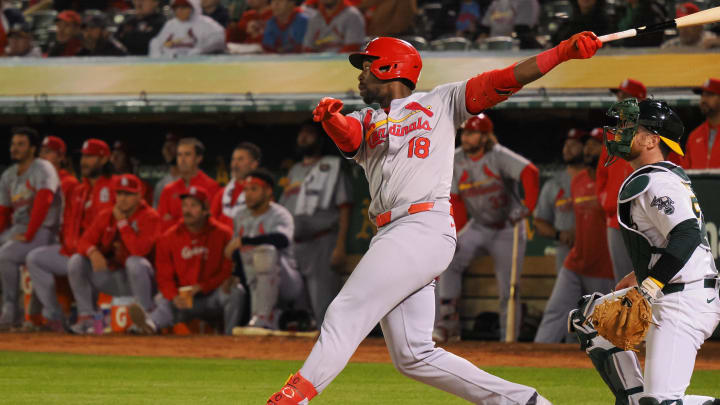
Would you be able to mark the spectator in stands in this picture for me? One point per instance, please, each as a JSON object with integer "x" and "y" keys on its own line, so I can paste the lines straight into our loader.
{"x": 215, "y": 10}
{"x": 285, "y": 31}
{"x": 250, "y": 28}
{"x": 20, "y": 42}
{"x": 189, "y": 33}
{"x": 695, "y": 36}
{"x": 587, "y": 15}
{"x": 112, "y": 253}
{"x": 139, "y": 29}
{"x": 190, "y": 254}
{"x": 587, "y": 268}
{"x": 190, "y": 153}
{"x": 640, "y": 13}
{"x": 503, "y": 17}
{"x": 630, "y": 88}
{"x": 245, "y": 158}
{"x": 388, "y": 17}
{"x": 468, "y": 19}
{"x": 336, "y": 27}
{"x": 169, "y": 154}
{"x": 702, "y": 149}
{"x": 9, "y": 17}
{"x": 97, "y": 40}
{"x": 68, "y": 36}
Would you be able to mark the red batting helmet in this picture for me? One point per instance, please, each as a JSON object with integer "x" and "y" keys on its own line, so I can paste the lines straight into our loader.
{"x": 480, "y": 122}
{"x": 391, "y": 58}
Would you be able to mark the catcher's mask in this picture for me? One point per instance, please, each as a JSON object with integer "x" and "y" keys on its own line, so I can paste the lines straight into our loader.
{"x": 626, "y": 116}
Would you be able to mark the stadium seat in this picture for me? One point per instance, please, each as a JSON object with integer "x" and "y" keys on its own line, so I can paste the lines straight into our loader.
{"x": 451, "y": 44}
{"x": 499, "y": 43}
{"x": 418, "y": 42}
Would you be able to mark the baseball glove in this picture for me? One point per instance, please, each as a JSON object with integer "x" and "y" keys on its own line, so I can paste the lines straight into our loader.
{"x": 623, "y": 321}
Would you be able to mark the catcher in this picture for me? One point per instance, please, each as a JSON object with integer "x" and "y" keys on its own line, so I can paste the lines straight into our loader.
{"x": 674, "y": 272}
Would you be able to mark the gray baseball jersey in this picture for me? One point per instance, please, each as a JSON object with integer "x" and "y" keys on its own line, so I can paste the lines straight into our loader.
{"x": 19, "y": 192}
{"x": 407, "y": 154}
{"x": 322, "y": 219}
{"x": 346, "y": 28}
{"x": 277, "y": 219}
{"x": 555, "y": 206}
{"x": 489, "y": 186}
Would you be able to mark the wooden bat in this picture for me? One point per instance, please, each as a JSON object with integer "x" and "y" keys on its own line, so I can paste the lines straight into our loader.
{"x": 708, "y": 16}
{"x": 510, "y": 324}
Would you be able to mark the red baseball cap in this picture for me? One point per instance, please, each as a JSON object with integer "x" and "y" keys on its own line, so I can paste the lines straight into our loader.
{"x": 576, "y": 133}
{"x": 54, "y": 143}
{"x": 712, "y": 85}
{"x": 196, "y": 192}
{"x": 632, "y": 87}
{"x": 686, "y": 9}
{"x": 70, "y": 16}
{"x": 128, "y": 182}
{"x": 480, "y": 122}
{"x": 95, "y": 147}
{"x": 597, "y": 133}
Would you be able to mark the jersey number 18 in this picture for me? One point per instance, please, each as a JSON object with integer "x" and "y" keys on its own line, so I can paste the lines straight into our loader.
{"x": 419, "y": 146}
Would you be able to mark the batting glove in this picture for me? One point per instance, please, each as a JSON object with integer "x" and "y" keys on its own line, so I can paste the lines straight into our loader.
{"x": 579, "y": 46}
{"x": 326, "y": 108}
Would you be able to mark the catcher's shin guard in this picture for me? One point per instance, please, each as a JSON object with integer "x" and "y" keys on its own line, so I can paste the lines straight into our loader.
{"x": 619, "y": 369}
{"x": 296, "y": 391}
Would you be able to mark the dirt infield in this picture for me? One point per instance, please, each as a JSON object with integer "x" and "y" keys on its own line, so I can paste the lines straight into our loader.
{"x": 277, "y": 348}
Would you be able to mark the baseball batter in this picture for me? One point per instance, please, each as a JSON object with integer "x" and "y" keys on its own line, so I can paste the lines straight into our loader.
{"x": 486, "y": 176}
{"x": 263, "y": 240}
{"x": 664, "y": 232}
{"x": 553, "y": 217}
{"x": 319, "y": 197}
{"x": 30, "y": 203}
{"x": 406, "y": 149}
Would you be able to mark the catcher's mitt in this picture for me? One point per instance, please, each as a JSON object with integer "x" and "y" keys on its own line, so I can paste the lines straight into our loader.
{"x": 623, "y": 321}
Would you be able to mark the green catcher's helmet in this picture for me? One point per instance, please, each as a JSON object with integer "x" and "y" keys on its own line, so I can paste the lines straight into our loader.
{"x": 655, "y": 115}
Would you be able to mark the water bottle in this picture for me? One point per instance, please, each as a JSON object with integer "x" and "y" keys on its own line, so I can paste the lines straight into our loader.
{"x": 98, "y": 323}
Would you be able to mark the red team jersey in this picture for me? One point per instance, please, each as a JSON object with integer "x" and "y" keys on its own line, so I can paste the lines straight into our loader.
{"x": 183, "y": 258}
{"x": 170, "y": 207}
{"x": 607, "y": 183}
{"x": 134, "y": 236}
{"x": 83, "y": 205}
{"x": 698, "y": 154}
{"x": 67, "y": 182}
{"x": 589, "y": 255}
{"x": 219, "y": 208}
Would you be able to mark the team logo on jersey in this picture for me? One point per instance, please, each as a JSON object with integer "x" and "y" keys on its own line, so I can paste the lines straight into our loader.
{"x": 188, "y": 252}
{"x": 664, "y": 204}
{"x": 376, "y": 137}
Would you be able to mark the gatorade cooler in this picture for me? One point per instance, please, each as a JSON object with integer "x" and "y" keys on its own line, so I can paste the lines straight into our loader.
{"x": 120, "y": 319}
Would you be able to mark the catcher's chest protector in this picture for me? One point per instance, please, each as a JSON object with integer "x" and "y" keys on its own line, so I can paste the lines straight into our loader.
{"x": 638, "y": 245}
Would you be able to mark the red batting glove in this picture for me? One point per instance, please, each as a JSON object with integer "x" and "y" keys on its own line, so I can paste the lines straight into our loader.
{"x": 326, "y": 108}
{"x": 579, "y": 46}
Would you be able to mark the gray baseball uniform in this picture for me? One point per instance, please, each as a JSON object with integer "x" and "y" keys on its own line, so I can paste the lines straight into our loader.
{"x": 19, "y": 192}
{"x": 271, "y": 272}
{"x": 489, "y": 188}
{"x": 316, "y": 234}
{"x": 555, "y": 206}
{"x": 346, "y": 28}
{"x": 407, "y": 156}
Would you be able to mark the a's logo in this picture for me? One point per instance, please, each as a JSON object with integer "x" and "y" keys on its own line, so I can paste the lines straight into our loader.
{"x": 664, "y": 204}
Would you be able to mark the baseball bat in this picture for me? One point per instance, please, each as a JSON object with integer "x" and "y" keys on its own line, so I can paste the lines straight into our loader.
{"x": 708, "y": 16}
{"x": 510, "y": 324}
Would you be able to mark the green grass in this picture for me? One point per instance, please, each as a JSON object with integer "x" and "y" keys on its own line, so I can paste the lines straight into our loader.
{"x": 38, "y": 378}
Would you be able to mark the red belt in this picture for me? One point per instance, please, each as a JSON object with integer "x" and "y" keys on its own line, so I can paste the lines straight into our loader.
{"x": 386, "y": 217}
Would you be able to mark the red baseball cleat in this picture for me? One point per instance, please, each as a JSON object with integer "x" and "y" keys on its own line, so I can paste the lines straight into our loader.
{"x": 297, "y": 391}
